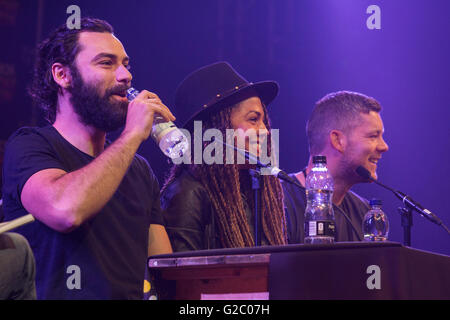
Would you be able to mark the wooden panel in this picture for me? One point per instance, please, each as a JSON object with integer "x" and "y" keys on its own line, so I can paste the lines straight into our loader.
{"x": 191, "y": 282}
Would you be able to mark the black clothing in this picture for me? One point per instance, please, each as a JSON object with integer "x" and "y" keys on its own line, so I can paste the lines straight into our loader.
{"x": 187, "y": 212}
{"x": 105, "y": 258}
{"x": 353, "y": 206}
{"x": 189, "y": 216}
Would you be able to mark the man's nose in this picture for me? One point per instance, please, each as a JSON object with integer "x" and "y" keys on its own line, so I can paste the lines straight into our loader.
{"x": 123, "y": 74}
{"x": 383, "y": 147}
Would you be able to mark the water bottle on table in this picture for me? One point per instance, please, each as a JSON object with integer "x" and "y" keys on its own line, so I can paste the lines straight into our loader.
{"x": 375, "y": 224}
{"x": 319, "y": 214}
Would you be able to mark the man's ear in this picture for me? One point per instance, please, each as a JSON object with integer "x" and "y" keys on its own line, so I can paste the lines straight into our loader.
{"x": 338, "y": 140}
{"x": 61, "y": 75}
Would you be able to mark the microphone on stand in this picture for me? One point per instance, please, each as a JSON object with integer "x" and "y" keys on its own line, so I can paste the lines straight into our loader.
{"x": 274, "y": 171}
{"x": 407, "y": 200}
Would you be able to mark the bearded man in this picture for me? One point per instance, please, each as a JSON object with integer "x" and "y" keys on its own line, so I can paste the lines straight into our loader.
{"x": 96, "y": 203}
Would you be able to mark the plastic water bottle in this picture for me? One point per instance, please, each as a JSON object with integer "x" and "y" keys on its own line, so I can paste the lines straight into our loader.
{"x": 319, "y": 214}
{"x": 375, "y": 223}
{"x": 172, "y": 142}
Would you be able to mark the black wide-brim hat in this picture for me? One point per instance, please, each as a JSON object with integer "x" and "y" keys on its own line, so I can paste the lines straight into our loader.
{"x": 213, "y": 87}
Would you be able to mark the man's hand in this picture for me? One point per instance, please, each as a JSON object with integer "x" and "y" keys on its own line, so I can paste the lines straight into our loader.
{"x": 141, "y": 113}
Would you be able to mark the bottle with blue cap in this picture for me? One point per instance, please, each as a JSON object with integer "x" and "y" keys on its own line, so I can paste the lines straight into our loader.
{"x": 375, "y": 224}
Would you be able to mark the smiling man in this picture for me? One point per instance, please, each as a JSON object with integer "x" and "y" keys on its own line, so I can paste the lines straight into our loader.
{"x": 346, "y": 127}
{"x": 96, "y": 203}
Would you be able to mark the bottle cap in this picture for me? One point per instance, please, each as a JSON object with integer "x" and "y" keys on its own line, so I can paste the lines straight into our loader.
{"x": 319, "y": 159}
{"x": 375, "y": 202}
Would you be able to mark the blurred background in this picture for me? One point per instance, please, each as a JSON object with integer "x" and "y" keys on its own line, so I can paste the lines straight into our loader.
{"x": 309, "y": 47}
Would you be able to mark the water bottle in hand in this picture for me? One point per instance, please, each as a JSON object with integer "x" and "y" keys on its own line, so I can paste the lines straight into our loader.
{"x": 172, "y": 142}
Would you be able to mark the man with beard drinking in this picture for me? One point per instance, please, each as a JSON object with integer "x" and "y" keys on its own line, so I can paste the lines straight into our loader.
{"x": 96, "y": 203}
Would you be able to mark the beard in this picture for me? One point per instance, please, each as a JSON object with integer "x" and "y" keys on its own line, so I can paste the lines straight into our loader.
{"x": 101, "y": 112}
{"x": 348, "y": 171}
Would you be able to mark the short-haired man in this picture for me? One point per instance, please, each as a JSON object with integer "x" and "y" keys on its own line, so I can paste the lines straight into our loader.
{"x": 96, "y": 203}
{"x": 346, "y": 127}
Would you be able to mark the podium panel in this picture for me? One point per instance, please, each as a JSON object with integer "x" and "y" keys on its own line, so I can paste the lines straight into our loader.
{"x": 346, "y": 272}
{"x": 223, "y": 275}
{"x": 356, "y": 270}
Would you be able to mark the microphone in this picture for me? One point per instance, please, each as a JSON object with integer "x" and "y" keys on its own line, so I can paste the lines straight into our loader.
{"x": 407, "y": 200}
{"x": 274, "y": 171}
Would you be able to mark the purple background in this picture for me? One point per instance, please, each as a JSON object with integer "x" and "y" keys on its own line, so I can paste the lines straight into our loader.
{"x": 309, "y": 47}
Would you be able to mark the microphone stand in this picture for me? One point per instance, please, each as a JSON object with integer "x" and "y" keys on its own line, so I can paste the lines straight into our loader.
{"x": 407, "y": 222}
{"x": 407, "y": 216}
{"x": 256, "y": 187}
{"x": 406, "y": 210}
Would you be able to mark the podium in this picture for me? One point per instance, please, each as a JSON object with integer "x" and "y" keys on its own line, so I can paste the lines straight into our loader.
{"x": 346, "y": 270}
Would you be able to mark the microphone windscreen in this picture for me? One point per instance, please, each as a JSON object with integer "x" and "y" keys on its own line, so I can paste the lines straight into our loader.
{"x": 363, "y": 172}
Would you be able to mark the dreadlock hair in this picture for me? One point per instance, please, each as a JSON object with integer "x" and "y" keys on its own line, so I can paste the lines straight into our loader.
{"x": 228, "y": 199}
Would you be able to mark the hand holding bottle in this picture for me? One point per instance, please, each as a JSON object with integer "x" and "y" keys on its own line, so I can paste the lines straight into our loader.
{"x": 172, "y": 142}
{"x": 142, "y": 110}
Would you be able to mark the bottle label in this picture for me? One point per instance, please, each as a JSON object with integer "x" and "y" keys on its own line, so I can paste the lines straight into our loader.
{"x": 160, "y": 129}
{"x": 320, "y": 228}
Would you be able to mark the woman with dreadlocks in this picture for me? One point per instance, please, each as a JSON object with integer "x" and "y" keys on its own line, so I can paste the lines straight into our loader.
{"x": 209, "y": 206}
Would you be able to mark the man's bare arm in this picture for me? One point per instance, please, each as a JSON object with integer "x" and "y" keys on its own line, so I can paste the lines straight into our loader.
{"x": 63, "y": 201}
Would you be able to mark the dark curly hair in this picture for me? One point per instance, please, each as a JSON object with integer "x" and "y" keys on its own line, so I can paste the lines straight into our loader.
{"x": 60, "y": 47}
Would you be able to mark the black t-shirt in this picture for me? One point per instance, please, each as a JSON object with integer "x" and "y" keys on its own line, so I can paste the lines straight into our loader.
{"x": 105, "y": 258}
{"x": 348, "y": 215}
